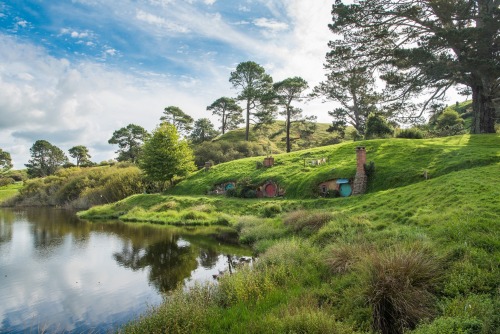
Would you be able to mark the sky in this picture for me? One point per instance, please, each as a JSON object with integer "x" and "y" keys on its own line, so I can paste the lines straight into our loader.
{"x": 74, "y": 71}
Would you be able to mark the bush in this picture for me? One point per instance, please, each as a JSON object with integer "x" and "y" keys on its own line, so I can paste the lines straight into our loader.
{"x": 306, "y": 221}
{"x": 232, "y": 192}
{"x": 398, "y": 285}
{"x": 377, "y": 127}
{"x": 412, "y": 133}
{"x": 5, "y": 181}
{"x": 271, "y": 210}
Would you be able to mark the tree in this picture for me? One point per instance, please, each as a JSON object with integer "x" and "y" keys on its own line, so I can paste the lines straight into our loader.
{"x": 228, "y": 111}
{"x": 175, "y": 116}
{"x": 165, "y": 156}
{"x": 287, "y": 91}
{"x": 377, "y": 127}
{"x": 5, "y": 161}
{"x": 203, "y": 130}
{"x": 46, "y": 159}
{"x": 81, "y": 154}
{"x": 351, "y": 84}
{"x": 254, "y": 84}
{"x": 427, "y": 47}
{"x": 129, "y": 140}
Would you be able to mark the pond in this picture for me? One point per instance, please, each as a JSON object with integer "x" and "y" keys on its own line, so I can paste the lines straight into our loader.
{"x": 62, "y": 274}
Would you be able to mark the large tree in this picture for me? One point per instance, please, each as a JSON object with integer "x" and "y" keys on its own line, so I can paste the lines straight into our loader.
{"x": 352, "y": 85}
{"x": 165, "y": 156}
{"x": 287, "y": 91}
{"x": 427, "y": 47}
{"x": 203, "y": 130}
{"x": 255, "y": 86}
{"x": 81, "y": 154}
{"x": 175, "y": 116}
{"x": 45, "y": 160}
{"x": 228, "y": 111}
{"x": 129, "y": 140}
{"x": 5, "y": 161}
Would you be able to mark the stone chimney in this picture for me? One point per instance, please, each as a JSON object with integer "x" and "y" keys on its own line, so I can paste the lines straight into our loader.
{"x": 360, "y": 180}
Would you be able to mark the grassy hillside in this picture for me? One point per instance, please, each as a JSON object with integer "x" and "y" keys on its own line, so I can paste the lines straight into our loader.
{"x": 398, "y": 162}
{"x": 419, "y": 256}
{"x": 273, "y": 136}
{"x": 9, "y": 191}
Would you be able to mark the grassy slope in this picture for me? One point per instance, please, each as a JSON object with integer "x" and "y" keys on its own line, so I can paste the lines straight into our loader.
{"x": 9, "y": 191}
{"x": 454, "y": 215}
{"x": 398, "y": 162}
{"x": 274, "y": 136}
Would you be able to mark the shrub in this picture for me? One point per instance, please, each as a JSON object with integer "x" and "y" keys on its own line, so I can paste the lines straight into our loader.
{"x": 377, "y": 127}
{"x": 447, "y": 325}
{"x": 5, "y": 181}
{"x": 306, "y": 221}
{"x": 232, "y": 192}
{"x": 271, "y": 210}
{"x": 411, "y": 133}
{"x": 398, "y": 286}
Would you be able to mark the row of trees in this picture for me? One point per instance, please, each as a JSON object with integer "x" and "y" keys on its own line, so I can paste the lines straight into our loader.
{"x": 417, "y": 49}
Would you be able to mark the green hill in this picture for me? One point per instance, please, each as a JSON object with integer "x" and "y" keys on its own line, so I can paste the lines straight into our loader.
{"x": 398, "y": 162}
{"x": 426, "y": 252}
{"x": 273, "y": 136}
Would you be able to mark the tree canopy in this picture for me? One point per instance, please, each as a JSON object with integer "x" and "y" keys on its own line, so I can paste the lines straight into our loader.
{"x": 5, "y": 161}
{"x": 203, "y": 130}
{"x": 45, "y": 160}
{"x": 175, "y": 116}
{"x": 165, "y": 156}
{"x": 228, "y": 111}
{"x": 129, "y": 140}
{"x": 81, "y": 154}
{"x": 426, "y": 47}
{"x": 352, "y": 85}
{"x": 287, "y": 91}
{"x": 255, "y": 87}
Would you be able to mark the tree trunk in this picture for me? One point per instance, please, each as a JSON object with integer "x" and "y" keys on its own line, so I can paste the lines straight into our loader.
{"x": 247, "y": 130}
{"x": 483, "y": 110}
{"x": 288, "y": 148}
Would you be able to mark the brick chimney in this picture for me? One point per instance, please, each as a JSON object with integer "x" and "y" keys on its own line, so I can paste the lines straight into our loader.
{"x": 360, "y": 180}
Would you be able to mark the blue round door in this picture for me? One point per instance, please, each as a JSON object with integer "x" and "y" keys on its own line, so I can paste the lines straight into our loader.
{"x": 345, "y": 190}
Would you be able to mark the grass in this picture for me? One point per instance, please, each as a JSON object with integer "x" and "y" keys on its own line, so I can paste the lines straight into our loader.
{"x": 412, "y": 255}
{"x": 398, "y": 162}
{"x": 9, "y": 191}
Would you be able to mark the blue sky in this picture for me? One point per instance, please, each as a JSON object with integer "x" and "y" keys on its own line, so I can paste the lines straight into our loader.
{"x": 73, "y": 71}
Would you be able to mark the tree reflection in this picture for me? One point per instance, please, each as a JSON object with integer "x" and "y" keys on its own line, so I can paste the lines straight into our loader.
{"x": 208, "y": 257}
{"x": 168, "y": 262}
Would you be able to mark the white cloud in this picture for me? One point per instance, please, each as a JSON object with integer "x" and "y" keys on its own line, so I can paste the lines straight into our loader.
{"x": 42, "y": 97}
{"x": 209, "y": 2}
{"x": 270, "y": 24}
{"x": 160, "y": 22}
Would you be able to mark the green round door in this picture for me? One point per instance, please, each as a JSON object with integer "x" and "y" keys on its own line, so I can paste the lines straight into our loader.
{"x": 345, "y": 190}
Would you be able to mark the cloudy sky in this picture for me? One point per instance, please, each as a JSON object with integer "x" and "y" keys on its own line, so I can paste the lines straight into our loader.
{"x": 73, "y": 71}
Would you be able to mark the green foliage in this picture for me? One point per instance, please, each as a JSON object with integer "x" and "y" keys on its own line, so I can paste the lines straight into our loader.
{"x": 45, "y": 160}
{"x": 411, "y": 133}
{"x": 255, "y": 86}
{"x": 129, "y": 140}
{"x": 224, "y": 151}
{"x": 4, "y": 181}
{"x": 82, "y": 188}
{"x": 178, "y": 118}
{"x": 306, "y": 221}
{"x": 287, "y": 91}
{"x": 165, "y": 156}
{"x": 81, "y": 154}
{"x": 203, "y": 131}
{"x": 228, "y": 111}
{"x": 377, "y": 127}
{"x": 448, "y": 325}
{"x": 440, "y": 47}
{"x": 5, "y": 161}
{"x": 399, "y": 286}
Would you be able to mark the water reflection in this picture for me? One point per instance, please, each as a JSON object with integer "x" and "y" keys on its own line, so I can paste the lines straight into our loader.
{"x": 61, "y": 273}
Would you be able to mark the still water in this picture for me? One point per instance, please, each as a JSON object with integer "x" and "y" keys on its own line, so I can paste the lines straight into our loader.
{"x": 62, "y": 274}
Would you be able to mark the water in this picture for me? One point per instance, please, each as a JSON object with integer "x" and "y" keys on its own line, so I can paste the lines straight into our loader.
{"x": 61, "y": 274}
